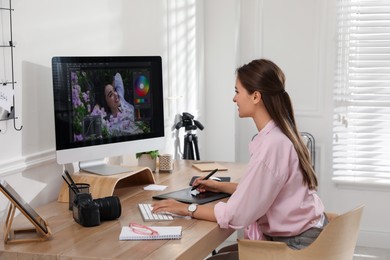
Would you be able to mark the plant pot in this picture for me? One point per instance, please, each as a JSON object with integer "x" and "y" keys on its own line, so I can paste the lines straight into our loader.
{"x": 147, "y": 161}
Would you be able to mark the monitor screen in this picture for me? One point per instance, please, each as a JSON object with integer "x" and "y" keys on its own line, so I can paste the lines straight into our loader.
{"x": 107, "y": 106}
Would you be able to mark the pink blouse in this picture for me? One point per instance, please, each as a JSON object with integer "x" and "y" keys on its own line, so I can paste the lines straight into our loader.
{"x": 271, "y": 198}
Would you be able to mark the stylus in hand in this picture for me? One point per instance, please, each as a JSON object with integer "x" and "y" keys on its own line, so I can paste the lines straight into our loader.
{"x": 205, "y": 178}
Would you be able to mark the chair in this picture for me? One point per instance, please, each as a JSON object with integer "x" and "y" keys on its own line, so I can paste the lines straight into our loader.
{"x": 309, "y": 140}
{"x": 336, "y": 242}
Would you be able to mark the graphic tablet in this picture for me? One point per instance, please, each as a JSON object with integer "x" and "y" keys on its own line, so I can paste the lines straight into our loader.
{"x": 185, "y": 196}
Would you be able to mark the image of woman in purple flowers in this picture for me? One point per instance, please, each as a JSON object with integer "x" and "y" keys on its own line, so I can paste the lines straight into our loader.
{"x": 100, "y": 109}
{"x": 120, "y": 113}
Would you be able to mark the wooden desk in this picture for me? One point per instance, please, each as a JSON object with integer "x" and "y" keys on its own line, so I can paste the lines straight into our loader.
{"x": 72, "y": 241}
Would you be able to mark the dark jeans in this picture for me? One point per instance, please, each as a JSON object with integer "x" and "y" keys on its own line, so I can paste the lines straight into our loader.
{"x": 302, "y": 240}
{"x": 295, "y": 242}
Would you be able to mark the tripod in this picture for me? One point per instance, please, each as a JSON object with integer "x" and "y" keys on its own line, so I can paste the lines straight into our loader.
{"x": 190, "y": 140}
{"x": 191, "y": 143}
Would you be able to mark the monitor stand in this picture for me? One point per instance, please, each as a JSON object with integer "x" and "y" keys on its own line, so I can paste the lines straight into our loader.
{"x": 117, "y": 184}
{"x": 101, "y": 167}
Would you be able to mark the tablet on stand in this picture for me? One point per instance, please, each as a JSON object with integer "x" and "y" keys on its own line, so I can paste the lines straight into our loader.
{"x": 40, "y": 230}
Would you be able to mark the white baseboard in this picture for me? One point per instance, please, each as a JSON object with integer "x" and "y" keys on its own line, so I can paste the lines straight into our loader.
{"x": 23, "y": 163}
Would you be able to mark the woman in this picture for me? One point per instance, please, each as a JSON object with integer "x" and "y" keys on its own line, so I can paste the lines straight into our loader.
{"x": 120, "y": 113}
{"x": 276, "y": 198}
{"x": 115, "y": 102}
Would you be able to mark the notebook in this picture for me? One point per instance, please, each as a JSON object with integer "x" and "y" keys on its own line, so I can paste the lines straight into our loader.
{"x": 185, "y": 196}
{"x": 164, "y": 232}
{"x": 206, "y": 167}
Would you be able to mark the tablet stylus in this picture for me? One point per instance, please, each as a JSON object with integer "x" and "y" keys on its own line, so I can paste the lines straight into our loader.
{"x": 205, "y": 178}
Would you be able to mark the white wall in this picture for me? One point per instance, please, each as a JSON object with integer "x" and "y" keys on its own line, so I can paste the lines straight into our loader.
{"x": 221, "y": 54}
{"x": 43, "y": 29}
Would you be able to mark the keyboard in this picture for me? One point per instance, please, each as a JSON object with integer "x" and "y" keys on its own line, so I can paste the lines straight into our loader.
{"x": 146, "y": 212}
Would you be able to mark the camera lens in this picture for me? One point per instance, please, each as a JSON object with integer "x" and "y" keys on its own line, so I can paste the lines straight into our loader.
{"x": 109, "y": 207}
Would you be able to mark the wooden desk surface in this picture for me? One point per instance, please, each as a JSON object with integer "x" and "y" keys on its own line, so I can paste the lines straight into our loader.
{"x": 72, "y": 241}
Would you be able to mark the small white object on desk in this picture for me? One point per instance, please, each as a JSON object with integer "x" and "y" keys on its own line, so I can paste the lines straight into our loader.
{"x": 155, "y": 187}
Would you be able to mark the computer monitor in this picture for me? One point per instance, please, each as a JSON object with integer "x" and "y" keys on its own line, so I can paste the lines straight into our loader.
{"x": 105, "y": 107}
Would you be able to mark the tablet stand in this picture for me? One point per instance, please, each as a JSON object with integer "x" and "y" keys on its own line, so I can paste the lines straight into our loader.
{"x": 22, "y": 234}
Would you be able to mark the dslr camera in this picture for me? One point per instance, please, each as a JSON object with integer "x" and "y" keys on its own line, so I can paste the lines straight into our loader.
{"x": 90, "y": 212}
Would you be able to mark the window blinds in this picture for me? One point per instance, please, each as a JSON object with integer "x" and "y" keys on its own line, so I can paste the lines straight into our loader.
{"x": 361, "y": 123}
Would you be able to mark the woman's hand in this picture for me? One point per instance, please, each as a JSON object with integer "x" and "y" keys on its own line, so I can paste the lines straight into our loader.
{"x": 215, "y": 186}
{"x": 207, "y": 185}
{"x": 178, "y": 208}
{"x": 171, "y": 206}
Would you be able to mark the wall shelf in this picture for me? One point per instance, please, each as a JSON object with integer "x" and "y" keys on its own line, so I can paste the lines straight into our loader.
{"x": 8, "y": 63}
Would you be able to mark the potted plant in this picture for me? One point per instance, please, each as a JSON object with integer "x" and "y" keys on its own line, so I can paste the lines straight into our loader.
{"x": 147, "y": 159}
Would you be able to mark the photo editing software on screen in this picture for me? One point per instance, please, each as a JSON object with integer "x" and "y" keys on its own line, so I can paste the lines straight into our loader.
{"x": 105, "y": 100}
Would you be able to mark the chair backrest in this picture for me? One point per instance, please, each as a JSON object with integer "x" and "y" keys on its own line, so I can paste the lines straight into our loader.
{"x": 338, "y": 239}
{"x": 309, "y": 140}
{"x": 336, "y": 242}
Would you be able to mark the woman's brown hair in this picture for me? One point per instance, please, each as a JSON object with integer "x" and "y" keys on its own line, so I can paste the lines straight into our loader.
{"x": 266, "y": 77}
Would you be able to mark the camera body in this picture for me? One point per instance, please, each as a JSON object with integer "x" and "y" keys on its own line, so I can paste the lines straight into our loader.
{"x": 85, "y": 210}
{"x": 89, "y": 212}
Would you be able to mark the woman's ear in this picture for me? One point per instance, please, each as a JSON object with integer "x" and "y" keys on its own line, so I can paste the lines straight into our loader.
{"x": 256, "y": 97}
